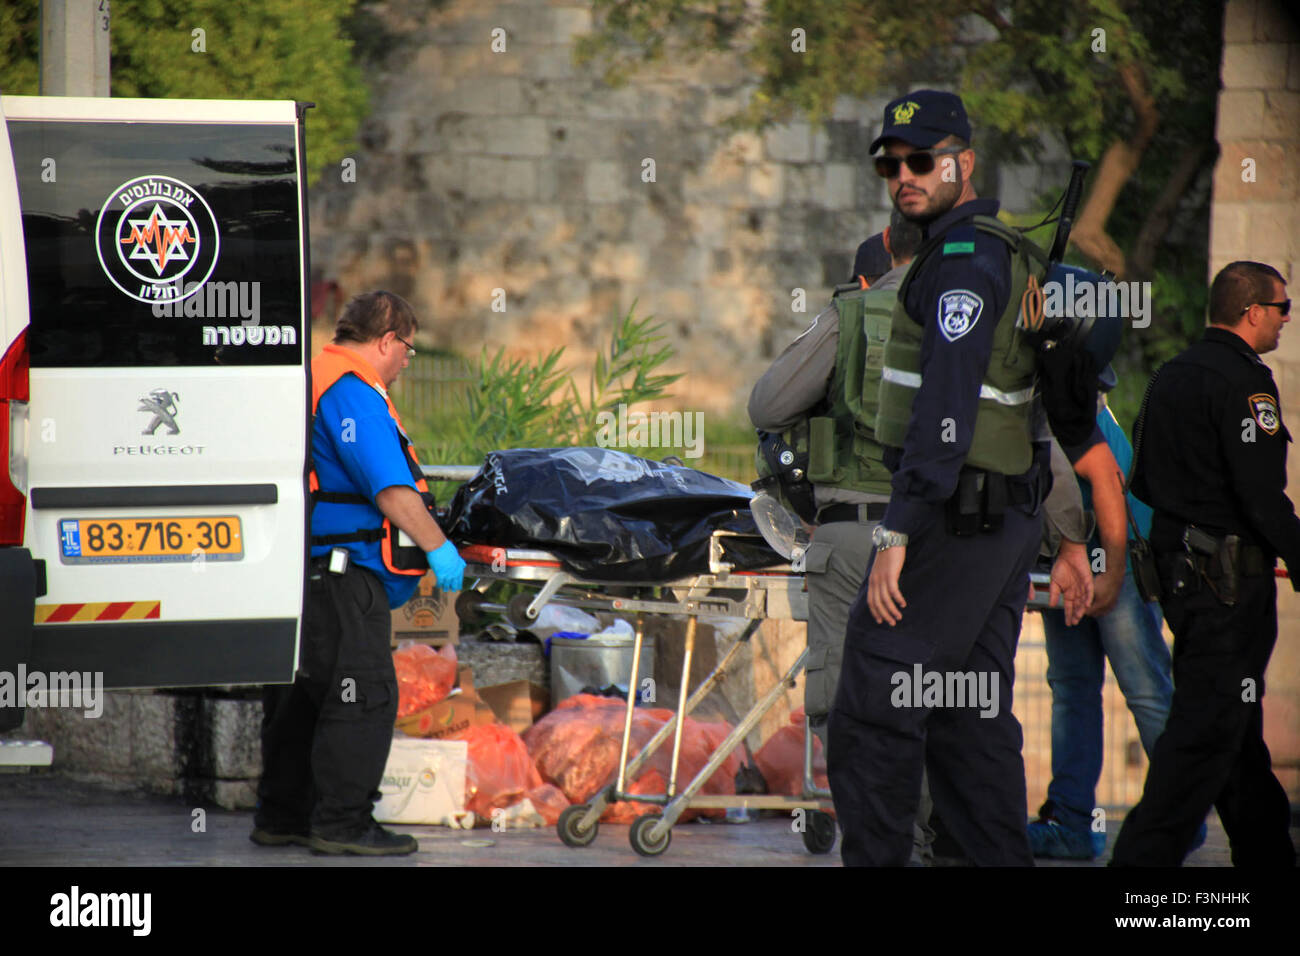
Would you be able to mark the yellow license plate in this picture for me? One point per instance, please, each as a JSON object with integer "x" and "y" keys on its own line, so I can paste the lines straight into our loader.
{"x": 147, "y": 540}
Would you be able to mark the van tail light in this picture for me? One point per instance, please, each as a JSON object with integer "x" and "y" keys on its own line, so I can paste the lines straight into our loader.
{"x": 14, "y": 395}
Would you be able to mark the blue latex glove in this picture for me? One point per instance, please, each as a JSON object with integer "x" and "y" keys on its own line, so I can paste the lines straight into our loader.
{"x": 448, "y": 566}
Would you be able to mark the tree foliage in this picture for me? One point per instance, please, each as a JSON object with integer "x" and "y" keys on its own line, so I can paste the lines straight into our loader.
{"x": 1126, "y": 85}
{"x": 273, "y": 49}
{"x": 1129, "y": 86}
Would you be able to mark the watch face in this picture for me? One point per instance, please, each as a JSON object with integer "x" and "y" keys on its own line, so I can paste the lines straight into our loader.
{"x": 878, "y": 534}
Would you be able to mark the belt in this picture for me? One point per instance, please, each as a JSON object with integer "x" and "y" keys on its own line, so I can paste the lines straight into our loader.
{"x": 1254, "y": 560}
{"x": 322, "y": 564}
{"x": 863, "y": 513}
{"x": 1020, "y": 490}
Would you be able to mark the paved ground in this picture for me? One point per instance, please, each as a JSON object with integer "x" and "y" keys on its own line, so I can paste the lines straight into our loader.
{"x": 49, "y": 820}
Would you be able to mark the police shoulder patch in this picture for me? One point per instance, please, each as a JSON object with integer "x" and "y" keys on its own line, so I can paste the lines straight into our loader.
{"x": 1263, "y": 408}
{"x": 959, "y": 241}
{"x": 959, "y": 310}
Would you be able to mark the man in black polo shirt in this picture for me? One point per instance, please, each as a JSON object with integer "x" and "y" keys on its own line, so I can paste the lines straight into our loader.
{"x": 1210, "y": 458}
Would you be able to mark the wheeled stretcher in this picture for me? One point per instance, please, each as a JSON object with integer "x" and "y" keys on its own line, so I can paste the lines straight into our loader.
{"x": 756, "y": 595}
{"x": 721, "y": 592}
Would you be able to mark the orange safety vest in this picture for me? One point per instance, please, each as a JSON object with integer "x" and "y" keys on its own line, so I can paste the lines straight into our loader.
{"x": 326, "y": 369}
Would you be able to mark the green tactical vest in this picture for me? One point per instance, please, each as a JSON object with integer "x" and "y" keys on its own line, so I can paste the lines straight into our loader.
{"x": 1002, "y": 430}
{"x": 842, "y": 447}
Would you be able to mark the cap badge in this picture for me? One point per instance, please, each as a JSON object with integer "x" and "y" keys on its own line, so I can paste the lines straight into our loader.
{"x": 904, "y": 112}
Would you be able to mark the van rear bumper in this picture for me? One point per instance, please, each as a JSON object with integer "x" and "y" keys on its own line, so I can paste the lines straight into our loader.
{"x": 134, "y": 654}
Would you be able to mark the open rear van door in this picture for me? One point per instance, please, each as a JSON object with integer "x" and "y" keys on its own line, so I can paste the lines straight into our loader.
{"x": 159, "y": 457}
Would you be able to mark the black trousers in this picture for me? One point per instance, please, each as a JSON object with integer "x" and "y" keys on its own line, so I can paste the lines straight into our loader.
{"x": 325, "y": 737}
{"x": 1212, "y": 750}
{"x": 965, "y": 598}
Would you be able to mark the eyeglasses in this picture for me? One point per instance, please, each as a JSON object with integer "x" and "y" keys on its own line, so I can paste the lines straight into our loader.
{"x": 1284, "y": 305}
{"x": 410, "y": 349}
{"x": 919, "y": 162}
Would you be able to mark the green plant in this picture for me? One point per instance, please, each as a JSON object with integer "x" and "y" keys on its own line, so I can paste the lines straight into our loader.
{"x": 536, "y": 403}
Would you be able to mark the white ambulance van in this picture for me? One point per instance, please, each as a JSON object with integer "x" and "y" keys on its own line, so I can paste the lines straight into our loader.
{"x": 154, "y": 392}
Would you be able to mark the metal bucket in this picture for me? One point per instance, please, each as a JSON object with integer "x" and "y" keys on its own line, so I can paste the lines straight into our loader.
{"x": 597, "y": 661}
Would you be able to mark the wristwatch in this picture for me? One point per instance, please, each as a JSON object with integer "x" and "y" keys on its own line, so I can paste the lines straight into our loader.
{"x": 883, "y": 538}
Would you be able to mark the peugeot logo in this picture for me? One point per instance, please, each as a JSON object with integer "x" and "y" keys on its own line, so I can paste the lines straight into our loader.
{"x": 162, "y": 405}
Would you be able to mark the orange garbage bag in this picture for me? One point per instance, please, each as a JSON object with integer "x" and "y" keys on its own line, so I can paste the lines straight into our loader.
{"x": 424, "y": 676}
{"x": 550, "y": 801}
{"x": 576, "y": 747}
{"x": 500, "y": 771}
{"x": 780, "y": 760}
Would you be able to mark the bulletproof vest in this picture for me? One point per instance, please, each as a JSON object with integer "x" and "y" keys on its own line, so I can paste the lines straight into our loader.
{"x": 1002, "y": 425}
{"x": 842, "y": 447}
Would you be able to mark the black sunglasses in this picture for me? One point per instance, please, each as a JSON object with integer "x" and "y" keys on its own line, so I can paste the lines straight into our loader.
{"x": 919, "y": 162}
{"x": 1284, "y": 305}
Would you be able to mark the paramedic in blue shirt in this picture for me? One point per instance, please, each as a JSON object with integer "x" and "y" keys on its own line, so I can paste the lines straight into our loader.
{"x": 326, "y": 737}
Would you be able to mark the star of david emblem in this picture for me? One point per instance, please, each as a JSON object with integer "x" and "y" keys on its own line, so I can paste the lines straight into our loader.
{"x": 158, "y": 239}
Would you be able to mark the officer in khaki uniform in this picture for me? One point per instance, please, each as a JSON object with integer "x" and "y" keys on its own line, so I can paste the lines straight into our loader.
{"x": 836, "y": 377}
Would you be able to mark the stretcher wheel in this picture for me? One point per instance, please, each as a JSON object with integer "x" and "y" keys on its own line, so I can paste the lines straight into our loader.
{"x": 819, "y": 834}
{"x": 468, "y": 607}
{"x": 639, "y": 835}
{"x": 570, "y": 829}
{"x": 517, "y": 610}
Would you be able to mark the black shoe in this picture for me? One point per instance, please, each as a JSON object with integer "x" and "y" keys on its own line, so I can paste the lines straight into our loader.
{"x": 263, "y": 836}
{"x": 373, "y": 842}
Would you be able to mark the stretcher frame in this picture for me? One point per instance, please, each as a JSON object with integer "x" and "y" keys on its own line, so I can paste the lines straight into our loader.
{"x": 720, "y": 592}
{"x": 579, "y": 825}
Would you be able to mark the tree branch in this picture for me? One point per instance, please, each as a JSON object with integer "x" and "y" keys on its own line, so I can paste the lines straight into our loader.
{"x": 1117, "y": 166}
{"x": 1156, "y": 223}
{"x": 990, "y": 13}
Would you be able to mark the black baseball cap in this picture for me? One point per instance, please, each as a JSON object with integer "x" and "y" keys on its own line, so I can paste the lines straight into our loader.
{"x": 923, "y": 117}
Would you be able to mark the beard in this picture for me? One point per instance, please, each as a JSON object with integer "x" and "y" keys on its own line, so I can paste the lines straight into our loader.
{"x": 938, "y": 202}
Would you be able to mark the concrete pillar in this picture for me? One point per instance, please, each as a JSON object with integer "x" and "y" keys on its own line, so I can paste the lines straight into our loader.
{"x": 74, "y": 47}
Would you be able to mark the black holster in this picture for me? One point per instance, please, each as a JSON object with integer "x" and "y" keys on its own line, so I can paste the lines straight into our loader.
{"x": 1213, "y": 562}
{"x": 979, "y": 503}
{"x": 1146, "y": 573}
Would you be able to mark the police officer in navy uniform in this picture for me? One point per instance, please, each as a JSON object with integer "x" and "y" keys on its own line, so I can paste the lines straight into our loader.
{"x": 1211, "y": 460}
{"x": 949, "y": 577}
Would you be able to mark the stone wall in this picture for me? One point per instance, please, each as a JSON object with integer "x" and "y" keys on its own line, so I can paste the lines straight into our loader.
{"x": 515, "y": 170}
{"x": 204, "y": 746}
{"x": 1255, "y": 216}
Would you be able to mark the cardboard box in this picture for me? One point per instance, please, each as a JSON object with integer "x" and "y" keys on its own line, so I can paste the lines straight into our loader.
{"x": 424, "y": 782}
{"x": 518, "y": 703}
{"x": 429, "y": 617}
{"x": 450, "y": 715}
